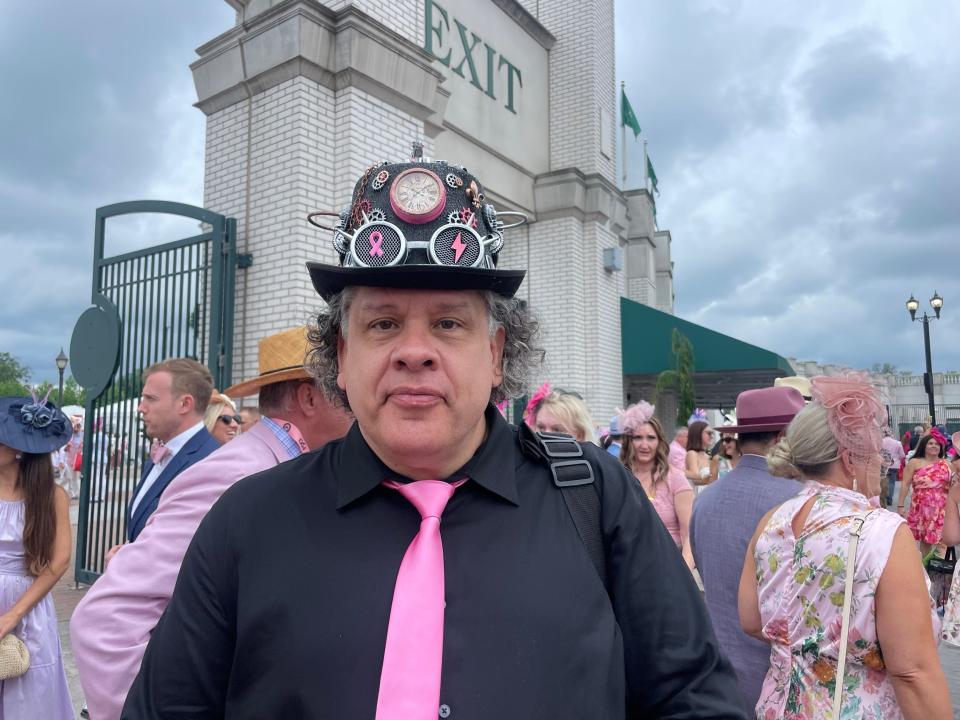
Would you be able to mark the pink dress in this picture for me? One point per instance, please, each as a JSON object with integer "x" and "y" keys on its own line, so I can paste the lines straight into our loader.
{"x": 930, "y": 486}
{"x": 800, "y": 589}
{"x": 664, "y": 492}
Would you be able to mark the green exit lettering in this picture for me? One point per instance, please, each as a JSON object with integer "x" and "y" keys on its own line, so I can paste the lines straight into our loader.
{"x": 474, "y": 59}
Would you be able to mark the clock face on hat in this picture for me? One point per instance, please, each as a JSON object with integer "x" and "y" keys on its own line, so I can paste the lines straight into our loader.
{"x": 417, "y": 196}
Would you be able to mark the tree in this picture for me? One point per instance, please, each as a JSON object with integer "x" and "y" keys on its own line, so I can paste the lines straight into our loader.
{"x": 884, "y": 369}
{"x": 14, "y": 377}
{"x": 680, "y": 378}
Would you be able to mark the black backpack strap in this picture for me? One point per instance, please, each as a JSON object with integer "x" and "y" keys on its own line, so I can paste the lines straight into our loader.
{"x": 574, "y": 475}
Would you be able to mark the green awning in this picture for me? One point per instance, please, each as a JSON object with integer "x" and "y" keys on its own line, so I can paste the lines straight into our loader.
{"x": 645, "y": 335}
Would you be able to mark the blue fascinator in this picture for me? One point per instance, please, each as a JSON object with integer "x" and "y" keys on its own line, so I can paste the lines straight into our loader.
{"x": 32, "y": 425}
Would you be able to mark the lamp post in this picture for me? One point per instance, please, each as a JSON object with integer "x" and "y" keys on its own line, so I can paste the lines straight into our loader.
{"x": 62, "y": 362}
{"x": 936, "y": 302}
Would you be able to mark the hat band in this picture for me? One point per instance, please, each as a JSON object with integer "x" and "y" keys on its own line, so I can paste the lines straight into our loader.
{"x": 765, "y": 420}
{"x": 268, "y": 373}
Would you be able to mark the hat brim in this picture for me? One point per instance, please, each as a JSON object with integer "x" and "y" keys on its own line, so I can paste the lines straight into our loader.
{"x": 768, "y": 427}
{"x": 328, "y": 280}
{"x": 252, "y": 386}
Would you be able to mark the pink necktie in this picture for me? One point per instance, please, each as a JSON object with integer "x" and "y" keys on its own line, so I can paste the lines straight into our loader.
{"x": 158, "y": 452}
{"x": 410, "y": 679}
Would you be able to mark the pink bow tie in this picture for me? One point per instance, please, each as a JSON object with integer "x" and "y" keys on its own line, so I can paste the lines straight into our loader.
{"x": 410, "y": 677}
{"x": 158, "y": 452}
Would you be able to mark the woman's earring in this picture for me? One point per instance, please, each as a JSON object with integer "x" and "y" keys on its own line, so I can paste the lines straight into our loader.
{"x": 18, "y": 456}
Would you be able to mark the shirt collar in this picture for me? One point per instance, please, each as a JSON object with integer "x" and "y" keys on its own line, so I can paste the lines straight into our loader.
{"x": 177, "y": 442}
{"x": 492, "y": 465}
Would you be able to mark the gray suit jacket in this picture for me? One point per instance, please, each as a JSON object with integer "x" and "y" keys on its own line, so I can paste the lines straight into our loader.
{"x": 725, "y": 516}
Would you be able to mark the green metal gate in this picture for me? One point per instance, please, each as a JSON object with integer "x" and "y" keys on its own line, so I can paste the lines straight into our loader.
{"x": 169, "y": 300}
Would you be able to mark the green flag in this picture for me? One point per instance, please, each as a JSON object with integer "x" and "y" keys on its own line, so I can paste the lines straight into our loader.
{"x": 627, "y": 118}
{"x": 652, "y": 175}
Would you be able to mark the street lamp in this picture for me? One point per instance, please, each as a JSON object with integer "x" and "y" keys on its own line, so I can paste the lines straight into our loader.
{"x": 62, "y": 362}
{"x": 936, "y": 302}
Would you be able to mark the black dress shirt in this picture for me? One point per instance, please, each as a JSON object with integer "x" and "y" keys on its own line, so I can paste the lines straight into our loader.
{"x": 282, "y": 603}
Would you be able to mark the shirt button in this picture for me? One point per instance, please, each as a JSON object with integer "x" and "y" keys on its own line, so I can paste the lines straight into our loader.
{"x": 444, "y": 711}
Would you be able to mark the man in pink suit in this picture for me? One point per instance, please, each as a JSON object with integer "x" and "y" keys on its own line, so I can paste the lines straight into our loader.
{"x": 111, "y": 626}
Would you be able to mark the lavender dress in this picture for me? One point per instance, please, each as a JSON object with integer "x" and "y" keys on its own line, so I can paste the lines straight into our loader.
{"x": 42, "y": 692}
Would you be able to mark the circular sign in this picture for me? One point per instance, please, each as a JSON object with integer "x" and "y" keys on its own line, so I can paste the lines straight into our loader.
{"x": 95, "y": 346}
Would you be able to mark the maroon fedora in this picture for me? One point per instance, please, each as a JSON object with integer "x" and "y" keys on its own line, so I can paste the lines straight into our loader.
{"x": 766, "y": 409}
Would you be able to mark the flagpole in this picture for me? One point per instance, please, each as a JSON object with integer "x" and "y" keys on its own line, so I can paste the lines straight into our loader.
{"x": 623, "y": 134}
{"x": 646, "y": 176}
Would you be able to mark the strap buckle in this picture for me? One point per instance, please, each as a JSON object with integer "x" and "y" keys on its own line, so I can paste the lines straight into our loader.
{"x": 559, "y": 445}
{"x": 573, "y": 472}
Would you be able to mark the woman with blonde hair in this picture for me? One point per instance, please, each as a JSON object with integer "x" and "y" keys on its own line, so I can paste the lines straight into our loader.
{"x": 221, "y": 419}
{"x": 794, "y": 591}
{"x": 560, "y": 411}
{"x": 645, "y": 452}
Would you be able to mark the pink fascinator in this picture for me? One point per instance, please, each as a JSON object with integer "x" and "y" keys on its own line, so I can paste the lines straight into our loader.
{"x": 939, "y": 437}
{"x": 630, "y": 420}
{"x": 530, "y": 412}
{"x": 854, "y": 411}
{"x": 699, "y": 415}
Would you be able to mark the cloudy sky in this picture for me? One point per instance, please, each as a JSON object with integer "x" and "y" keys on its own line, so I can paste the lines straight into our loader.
{"x": 808, "y": 163}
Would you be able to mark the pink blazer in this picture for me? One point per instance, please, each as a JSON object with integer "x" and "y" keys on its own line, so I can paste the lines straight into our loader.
{"x": 111, "y": 626}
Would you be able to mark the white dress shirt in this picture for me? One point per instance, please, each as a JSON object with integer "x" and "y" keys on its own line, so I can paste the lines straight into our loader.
{"x": 174, "y": 446}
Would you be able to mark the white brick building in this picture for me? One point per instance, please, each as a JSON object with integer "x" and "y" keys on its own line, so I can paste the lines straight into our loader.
{"x": 301, "y": 96}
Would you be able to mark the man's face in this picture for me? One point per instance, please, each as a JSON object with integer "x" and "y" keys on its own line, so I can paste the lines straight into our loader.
{"x": 161, "y": 409}
{"x": 248, "y": 416}
{"x": 418, "y": 367}
{"x": 681, "y": 438}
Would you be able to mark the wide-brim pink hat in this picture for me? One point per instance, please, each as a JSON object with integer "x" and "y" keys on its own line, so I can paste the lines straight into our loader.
{"x": 766, "y": 409}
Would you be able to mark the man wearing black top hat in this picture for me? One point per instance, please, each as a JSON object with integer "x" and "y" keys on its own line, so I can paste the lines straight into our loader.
{"x": 325, "y": 588}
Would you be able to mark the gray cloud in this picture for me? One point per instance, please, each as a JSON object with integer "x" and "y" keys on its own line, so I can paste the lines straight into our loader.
{"x": 98, "y": 111}
{"x": 808, "y": 165}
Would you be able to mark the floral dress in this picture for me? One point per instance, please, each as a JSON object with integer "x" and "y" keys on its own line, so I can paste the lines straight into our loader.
{"x": 800, "y": 589}
{"x": 930, "y": 486}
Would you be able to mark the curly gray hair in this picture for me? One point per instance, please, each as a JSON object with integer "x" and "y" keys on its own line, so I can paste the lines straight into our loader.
{"x": 522, "y": 353}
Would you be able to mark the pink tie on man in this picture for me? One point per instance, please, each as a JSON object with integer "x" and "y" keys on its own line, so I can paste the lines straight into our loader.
{"x": 412, "y": 659}
{"x": 158, "y": 452}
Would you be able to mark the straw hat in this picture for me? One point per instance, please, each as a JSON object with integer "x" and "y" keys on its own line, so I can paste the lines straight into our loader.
{"x": 282, "y": 358}
{"x": 798, "y": 383}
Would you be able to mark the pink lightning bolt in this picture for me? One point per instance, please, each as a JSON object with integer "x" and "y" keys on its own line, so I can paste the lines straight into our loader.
{"x": 458, "y": 247}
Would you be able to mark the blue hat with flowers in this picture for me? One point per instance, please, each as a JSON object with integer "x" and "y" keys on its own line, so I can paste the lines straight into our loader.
{"x": 33, "y": 426}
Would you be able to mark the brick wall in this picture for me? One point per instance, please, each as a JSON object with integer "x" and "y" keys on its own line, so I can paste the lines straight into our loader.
{"x": 402, "y": 16}
{"x": 307, "y": 148}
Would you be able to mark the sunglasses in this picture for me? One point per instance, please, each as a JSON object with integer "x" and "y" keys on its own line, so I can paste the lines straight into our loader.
{"x": 227, "y": 419}
{"x": 729, "y": 439}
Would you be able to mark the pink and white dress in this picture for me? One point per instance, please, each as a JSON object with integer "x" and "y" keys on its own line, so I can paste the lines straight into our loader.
{"x": 800, "y": 589}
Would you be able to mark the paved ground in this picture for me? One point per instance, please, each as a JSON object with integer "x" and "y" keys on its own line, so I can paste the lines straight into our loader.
{"x": 66, "y": 597}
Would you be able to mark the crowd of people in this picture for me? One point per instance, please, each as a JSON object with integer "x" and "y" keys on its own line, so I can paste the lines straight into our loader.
{"x": 371, "y": 538}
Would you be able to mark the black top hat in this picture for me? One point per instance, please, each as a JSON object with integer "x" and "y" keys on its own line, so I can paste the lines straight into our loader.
{"x": 32, "y": 426}
{"x": 417, "y": 225}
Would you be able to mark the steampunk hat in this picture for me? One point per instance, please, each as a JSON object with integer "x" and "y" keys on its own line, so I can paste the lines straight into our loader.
{"x": 281, "y": 358}
{"x": 419, "y": 224}
{"x": 31, "y": 425}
